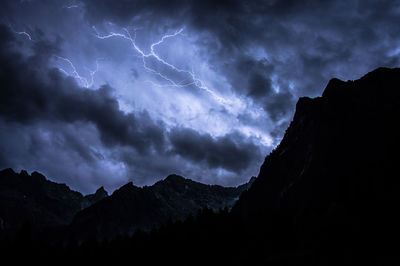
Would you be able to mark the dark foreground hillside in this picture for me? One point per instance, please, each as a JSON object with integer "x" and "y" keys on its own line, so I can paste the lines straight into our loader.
{"x": 327, "y": 195}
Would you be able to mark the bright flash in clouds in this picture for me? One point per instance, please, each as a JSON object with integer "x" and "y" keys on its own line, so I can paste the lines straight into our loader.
{"x": 175, "y": 93}
{"x": 172, "y": 88}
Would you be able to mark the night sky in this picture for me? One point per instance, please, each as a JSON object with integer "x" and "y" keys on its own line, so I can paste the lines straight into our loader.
{"x": 100, "y": 93}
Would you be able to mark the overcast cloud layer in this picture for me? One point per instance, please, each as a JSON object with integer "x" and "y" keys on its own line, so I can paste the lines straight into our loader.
{"x": 103, "y": 92}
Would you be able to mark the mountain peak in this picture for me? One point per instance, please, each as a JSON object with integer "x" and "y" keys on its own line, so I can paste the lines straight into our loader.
{"x": 130, "y": 208}
{"x": 7, "y": 171}
{"x": 23, "y": 173}
{"x": 101, "y": 191}
{"x": 329, "y": 145}
{"x": 174, "y": 178}
{"x": 127, "y": 188}
{"x": 381, "y": 82}
{"x": 91, "y": 199}
{"x": 50, "y": 203}
{"x": 335, "y": 87}
{"x": 38, "y": 176}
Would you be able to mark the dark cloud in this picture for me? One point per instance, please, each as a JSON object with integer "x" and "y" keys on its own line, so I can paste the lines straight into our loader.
{"x": 74, "y": 134}
{"x": 230, "y": 152}
{"x": 29, "y": 95}
{"x": 264, "y": 53}
{"x": 67, "y": 153}
{"x": 303, "y": 43}
{"x": 253, "y": 78}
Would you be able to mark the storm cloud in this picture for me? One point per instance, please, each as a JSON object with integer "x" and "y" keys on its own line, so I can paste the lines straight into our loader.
{"x": 42, "y": 112}
{"x": 291, "y": 47}
{"x": 102, "y": 92}
{"x": 229, "y": 151}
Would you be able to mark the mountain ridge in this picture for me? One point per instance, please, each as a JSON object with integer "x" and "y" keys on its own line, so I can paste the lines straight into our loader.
{"x": 40, "y": 201}
{"x": 45, "y": 204}
{"x": 132, "y": 208}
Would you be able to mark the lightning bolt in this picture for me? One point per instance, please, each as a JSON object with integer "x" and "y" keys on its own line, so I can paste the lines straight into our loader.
{"x": 24, "y": 33}
{"x": 192, "y": 78}
{"x": 70, "y": 6}
{"x": 87, "y": 83}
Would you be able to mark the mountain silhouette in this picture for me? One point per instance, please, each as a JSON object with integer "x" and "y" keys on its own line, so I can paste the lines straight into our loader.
{"x": 131, "y": 208}
{"x": 38, "y": 201}
{"x": 44, "y": 205}
{"x": 332, "y": 185}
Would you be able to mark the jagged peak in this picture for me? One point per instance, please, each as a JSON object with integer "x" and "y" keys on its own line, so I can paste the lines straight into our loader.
{"x": 101, "y": 191}
{"x": 7, "y": 171}
{"x": 303, "y": 101}
{"x": 381, "y": 71}
{"x": 304, "y": 106}
{"x": 23, "y": 173}
{"x": 334, "y": 88}
{"x": 38, "y": 176}
{"x": 174, "y": 178}
{"x": 381, "y": 78}
{"x": 128, "y": 187}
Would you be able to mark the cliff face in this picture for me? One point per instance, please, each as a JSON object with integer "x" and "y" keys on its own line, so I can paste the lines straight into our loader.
{"x": 336, "y": 167}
